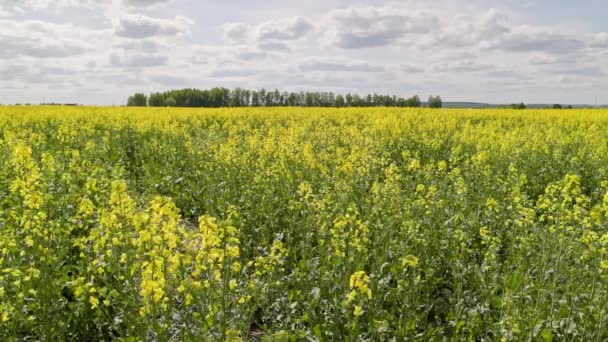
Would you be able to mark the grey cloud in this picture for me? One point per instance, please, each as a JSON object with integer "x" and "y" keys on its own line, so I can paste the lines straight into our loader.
{"x": 461, "y": 66}
{"x": 274, "y": 46}
{"x": 122, "y": 79}
{"x": 338, "y": 66}
{"x": 600, "y": 40}
{"x": 236, "y": 32}
{"x": 526, "y": 39}
{"x": 14, "y": 72}
{"x": 144, "y": 3}
{"x": 542, "y": 59}
{"x": 139, "y": 45}
{"x": 349, "y": 40}
{"x": 55, "y": 70}
{"x": 509, "y": 75}
{"x": 411, "y": 69}
{"x": 36, "y": 5}
{"x": 289, "y": 29}
{"x": 31, "y": 39}
{"x": 39, "y": 74}
{"x": 172, "y": 81}
{"x": 564, "y": 60}
{"x": 364, "y": 27}
{"x": 232, "y": 73}
{"x": 466, "y": 31}
{"x": 249, "y": 55}
{"x": 140, "y": 26}
{"x": 20, "y": 5}
{"x": 138, "y": 61}
{"x": 40, "y": 48}
{"x": 491, "y": 32}
{"x": 592, "y": 70}
{"x": 567, "y": 64}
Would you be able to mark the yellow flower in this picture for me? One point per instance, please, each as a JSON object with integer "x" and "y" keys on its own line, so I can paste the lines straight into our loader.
{"x": 359, "y": 281}
{"x": 414, "y": 165}
{"x": 358, "y": 311}
{"x": 86, "y": 207}
{"x": 94, "y": 302}
{"x": 28, "y": 241}
{"x": 409, "y": 261}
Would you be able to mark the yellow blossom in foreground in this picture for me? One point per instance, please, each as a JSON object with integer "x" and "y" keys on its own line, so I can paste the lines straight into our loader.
{"x": 409, "y": 261}
{"x": 94, "y": 302}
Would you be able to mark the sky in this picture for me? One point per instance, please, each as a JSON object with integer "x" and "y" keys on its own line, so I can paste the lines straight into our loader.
{"x": 100, "y": 51}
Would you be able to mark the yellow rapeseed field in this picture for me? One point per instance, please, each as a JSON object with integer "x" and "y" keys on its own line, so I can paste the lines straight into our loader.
{"x": 280, "y": 224}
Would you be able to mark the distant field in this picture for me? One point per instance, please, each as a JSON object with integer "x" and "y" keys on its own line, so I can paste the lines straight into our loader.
{"x": 304, "y": 224}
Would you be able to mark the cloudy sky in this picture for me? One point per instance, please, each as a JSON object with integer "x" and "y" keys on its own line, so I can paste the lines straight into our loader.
{"x": 499, "y": 51}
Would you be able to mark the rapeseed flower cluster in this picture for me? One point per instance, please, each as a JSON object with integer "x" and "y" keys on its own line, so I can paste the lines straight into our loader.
{"x": 359, "y": 293}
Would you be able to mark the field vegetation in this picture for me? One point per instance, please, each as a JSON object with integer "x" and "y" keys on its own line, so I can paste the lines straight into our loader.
{"x": 281, "y": 224}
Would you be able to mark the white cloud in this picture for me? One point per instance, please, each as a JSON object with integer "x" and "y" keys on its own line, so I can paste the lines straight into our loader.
{"x": 367, "y": 27}
{"x": 600, "y": 40}
{"x": 535, "y": 39}
{"x": 542, "y": 59}
{"x": 462, "y": 66}
{"x": 270, "y": 35}
{"x": 139, "y": 26}
{"x": 32, "y": 38}
{"x": 465, "y": 31}
{"x": 138, "y": 61}
{"x": 250, "y": 55}
{"x": 145, "y": 3}
{"x": 37, "y": 5}
{"x": 142, "y": 45}
{"x": 337, "y": 65}
{"x": 236, "y": 33}
{"x": 232, "y": 72}
{"x": 274, "y": 46}
{"x": 411, "y": 69}
{"x": 582, "y": 70}
{"x": 287, "y": 29}
{"x": 173, "y": 81}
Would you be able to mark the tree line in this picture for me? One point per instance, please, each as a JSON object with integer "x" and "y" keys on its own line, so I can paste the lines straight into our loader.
{"x": 223, "y": 97}
{"x": 524, "y": 106}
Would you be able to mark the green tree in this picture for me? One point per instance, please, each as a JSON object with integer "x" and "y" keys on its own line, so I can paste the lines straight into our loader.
{"x": 413, "y": 101}
{"x": 137, "y": 100}
{"x": 156, "y": 100}
{"x": 340, "y": 101}
{"x": 170, "y": 102}
{"x": 435, "y": 102}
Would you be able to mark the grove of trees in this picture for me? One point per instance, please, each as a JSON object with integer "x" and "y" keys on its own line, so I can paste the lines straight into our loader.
{"x": 435, "y": 102}
{"x": 223, "y": 97}
{"x": 137, "y": 100}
